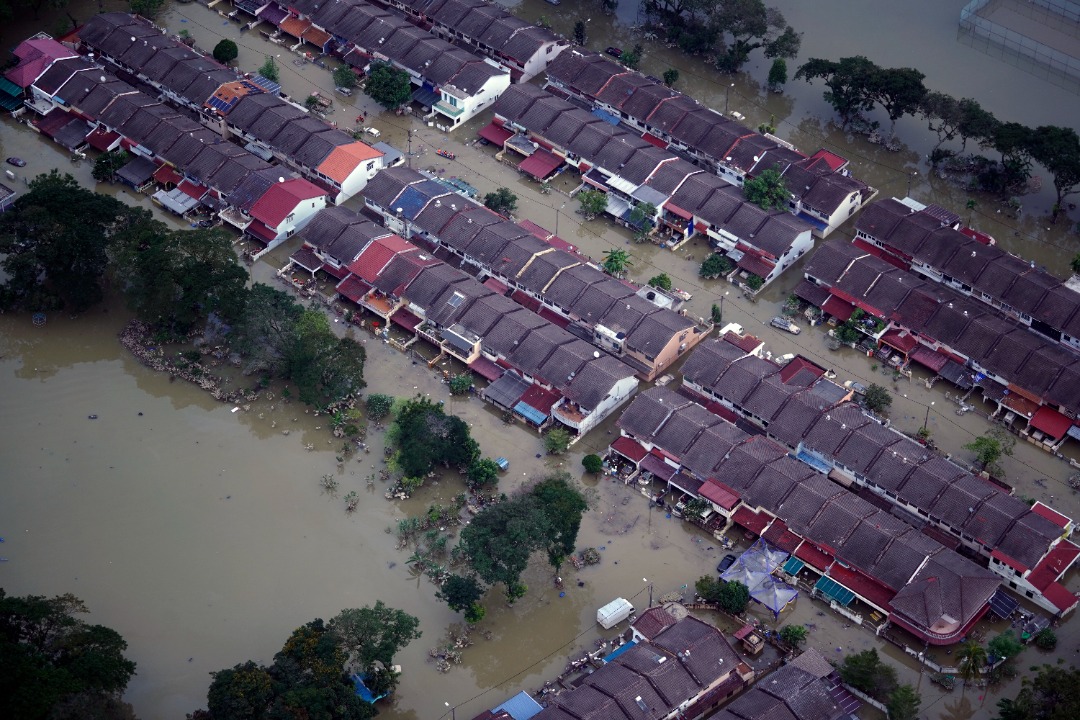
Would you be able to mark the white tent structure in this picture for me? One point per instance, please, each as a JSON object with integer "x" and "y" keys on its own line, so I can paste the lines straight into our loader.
{"x": 754, "y": 570}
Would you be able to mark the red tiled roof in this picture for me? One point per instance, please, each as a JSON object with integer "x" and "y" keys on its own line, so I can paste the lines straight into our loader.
{"x": 339, "y": 272}
{"x": 495, "y": 284}
{"x": 1050, "y": 514}
{"x": 752, "y": 521}
{"x": 779, "y": 535}
{"x": 1056, "y": 562}
{"x": 495, "y": 133}
{"x": 486, "y": 368}
{"x": 978, "y": 236}
{"x": 50, "y": 123}
{"x": 405, "y": 319}
{"x": 540, "y": 164}
{"x": 800, "y": 363}
{"x": 1060, "y": 597}
{"x": 260, "y": 231}
{"x": 931, "y": 359}
{"x": 1003, "y": 558}
{"x": 864, "y": 587}
{"x": 757, "y": 265}
{"x": 540, "y": 399}
{"x": 659, "y": 468}
{"x": 747, "y": 343}
{"x": 295, "y": 26}
{"x": 102, "y": 139}
{"x": 839, "y": 309}
{"x": 316, "y": 37}
{"x": 834, "y": 161}
{"x": 629, "y": 449}
{"x": 281, "y": 198}
{"x": 653, "y": 140}
{"x": 676, "y": 210}
{"x": 353, "y": 288}
{"x": 879, "y": 253}
{"x": 191, "y": 189}
{"x": 812, "y": 556}
{"x": 903, "y": 341}
{"x": 35, "y": 57}
{"x": 1051, "y": 422}
{"x": 167, "y": 174}
{"x": 377, "y": 255}
{"x": 743, "y": 632}
{"x": 540, "y": 232}
{"x": 654, "y": 621}
{"x": 345, "y": 159}
{"x": 718, "y": 493}
{"x": 527, "y": 300}
{"x": 553, "y": 317}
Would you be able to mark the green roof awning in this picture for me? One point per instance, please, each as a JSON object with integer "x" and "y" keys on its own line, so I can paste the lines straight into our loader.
{"x": 10, "y": 103}
{"x": 834, "y": 591}
{"x": 9, "y": 88}
{"x": 793, "y": 566}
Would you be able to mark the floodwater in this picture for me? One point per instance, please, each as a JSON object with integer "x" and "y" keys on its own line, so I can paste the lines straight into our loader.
{"x": 201, "y": 535}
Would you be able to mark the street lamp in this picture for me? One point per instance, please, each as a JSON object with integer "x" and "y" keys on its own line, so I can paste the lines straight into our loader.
{"x": 926, "y": 419}
{"x": 650, "y": 590}
{"x": 453, "y": 711}
{"x": 727, "y": 96}
{"x": 721, "y": 323}
{"x": 410, "y": 148}
{"x": 558, "y": 210}
{"x": 909, "y": 179}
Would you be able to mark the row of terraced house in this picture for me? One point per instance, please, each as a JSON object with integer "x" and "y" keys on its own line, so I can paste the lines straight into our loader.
{"x": 875, "y": 512}
{"x": 552, "y": 132}
{"x": 536, "y": 368}
{"x": 424, "y": 39}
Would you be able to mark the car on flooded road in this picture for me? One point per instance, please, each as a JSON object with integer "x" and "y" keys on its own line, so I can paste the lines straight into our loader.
{"x": 614, "y": 51}
{"x": 17, "y": 162}
{"x": 727, "y": 562}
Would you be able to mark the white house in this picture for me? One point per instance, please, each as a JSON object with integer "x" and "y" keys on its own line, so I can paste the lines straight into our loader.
{"x": 284, "y": 208}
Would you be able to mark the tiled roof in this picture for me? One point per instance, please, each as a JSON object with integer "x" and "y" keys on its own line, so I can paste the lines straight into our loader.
{"x": 282, "y": 198}
{"x": 343, "y": 160}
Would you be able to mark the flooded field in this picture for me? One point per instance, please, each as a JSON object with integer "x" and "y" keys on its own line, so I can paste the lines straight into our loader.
{"x": 201, "y": 535}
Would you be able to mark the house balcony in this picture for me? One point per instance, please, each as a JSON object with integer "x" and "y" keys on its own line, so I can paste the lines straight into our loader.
{"x": 448, "y": 110}
{"x": 570, "y": 414}
{"x": 380, "y": 304}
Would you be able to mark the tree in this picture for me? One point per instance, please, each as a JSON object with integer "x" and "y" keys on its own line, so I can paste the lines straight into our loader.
{"x": 54, "y": 242}
{"x": 1052, "y": 694}
{"x": 989, "y": 448}
{"x": 777, "y": 75}
{"x": 950, "y": 118}
{"x": 971, "y": 659}
{"x": 483, "y": 474}
{"x": 226, "y": 51}
{"x": 461, "y": 384}
{"x": 767, "y": 190}
{"x": 593, "y": 203}
{"x": 900, "y": 91}
{"x": 715, "y": 265}
{"x": 904, "y": 703}
{"x": 1004, "y": 647}
{"x": 671, "y": 76}
{"x": 643, "y": 217}
{"x": 108, "y": 164}
{"x": 877, "y": 398}
{"x": 499, "y": 541}
{"x": 632, "y": 59}
{"x": 269, "y": 69}
{"x": 866, "y": 672}
{"x": 662, "y": 281}
{"x": 556, "y": 441}
{"x": 147, "y": 8}
{"x": 752, "y": 25}
{"x": 1058, "y": 150}
{"x": 616, "y": 262}
{"x": 593, "y": 463}
{"x": 502, "y": 201}
{"x": 174, "y": 279}
{"x": 1015, "y": 142}
{"x": 378, "y": 406}
{"x": 1074, "y": 264}
{"x": 732, "y": 597}
{"x": 426, "y": 437}
{"x": 344, "y": 76}
{"x": 50, "y": 659}
{"x": 461, "y": 592}
{"x": 793, "y": 635}
{"x": 850, "y": 83}
{"x": 370, "y": 635}
{"x": 1046, "y": 639}
{"x": 579, "y": 33}
{"x": 564, "y": 505}
{"x": 241, "y": 692}
{"x": 388, "y": 86}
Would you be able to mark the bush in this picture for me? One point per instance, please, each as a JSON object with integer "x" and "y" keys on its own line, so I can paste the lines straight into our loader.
{"x": 557, "y": 441}
{"x": 593, "y": 464}
{"x": 1045, "y": 639}
{"x": 793, "y": 635}
{"x": 379, "y": 406}
{"x": 461, "y": 384}
{"x": 877, "y": 398}
{"x": 715, "y": 266}
{"x": 269, "y": 69}
{"x": 662, "y": 281}
{"x": 482, "y": 474}
{"x": 226, "y": 51}
{"x": 593, "y": 203}
{"x": 344, "y": 77}
{"x": 754, "y": 282}
{"x": 502, "y": 201}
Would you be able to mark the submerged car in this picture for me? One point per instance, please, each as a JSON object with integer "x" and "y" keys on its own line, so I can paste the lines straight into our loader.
{"x": 17, "y": 162}
{"x": 614, "y": 51}
{"x": 727, "y": 562}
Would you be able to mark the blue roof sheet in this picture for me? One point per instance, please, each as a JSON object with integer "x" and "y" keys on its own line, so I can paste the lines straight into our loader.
{"x": 362, "y": 690}
{"x": 620, "y": 651}
{"x": 606, "y": 116}
{"x": 530, "y": 413}
{"x": 520, "y": 707}
{"x": 832, "y": 589}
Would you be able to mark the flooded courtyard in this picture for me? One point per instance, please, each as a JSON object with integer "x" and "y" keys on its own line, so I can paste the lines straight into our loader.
{"x": 201, "y": 534}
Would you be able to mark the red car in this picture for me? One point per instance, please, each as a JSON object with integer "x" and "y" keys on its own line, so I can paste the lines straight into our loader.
{"x": 614, "y": 51}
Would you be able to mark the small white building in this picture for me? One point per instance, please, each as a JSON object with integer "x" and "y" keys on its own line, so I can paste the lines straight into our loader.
{"x": 285, "y": 207}
{"x": 470, "y": 93}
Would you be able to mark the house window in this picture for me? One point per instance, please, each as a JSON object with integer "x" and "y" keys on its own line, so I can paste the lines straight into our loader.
{"x": 289, "y": 217}
{"x": 371, "y": 165}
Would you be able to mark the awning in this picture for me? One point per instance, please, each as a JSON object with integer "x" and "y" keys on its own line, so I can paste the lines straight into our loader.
{"x": 811, "y": 293}
{"x": 306, "y": 258}
{"x": 686, "y": 483}
{"x": 353, "y": 288}
{"x": 676, "y": 210}
{"x": 653, "y": 140}
{"x": 957, "y": 374}
{"x": 486, "y": 368}
{"x": 102, "y": 139}
{"x": 507, "y": 390}
{"x": 629, "y": 449}
{"x": 189, "y": 188}
{"x": 756, "y": 265}
{"x": 176, "y": 202}
{"x": 752, "y": 521}
{"x": 652, "y": 464}
{"x": 425, "y": 97}
{"x": 813, "y": 557}
{"x": 1051, "y": 422}
{"x": 166, "y": 174}
{"x": 838, "y": 308}
{"x": 903, "y": 341}
{"x": 719, "y": 494}
{"x": 531, "y": 414}
{"x": 495, "y": 133}
{"x": 261, "y": 232}
{"x": 404, "y": 318}
{"x": 540, "y": 164}
{"x": 834, "y": 591}
{"x": 933, "y": 360}
{"x": 1022, "y": 406}
{"x": 793, "y": 566}
{"x": 1002, "y": 604}
{"x": 137, "y": 172}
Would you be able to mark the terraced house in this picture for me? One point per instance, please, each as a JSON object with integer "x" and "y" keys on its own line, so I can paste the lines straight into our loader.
{"x": 525, "y": 48}
{"x": 452, "y": 82}
{"x": 551, "y": 132}
{"x": 615, "y": 316}
{"x": 823, "y": 191}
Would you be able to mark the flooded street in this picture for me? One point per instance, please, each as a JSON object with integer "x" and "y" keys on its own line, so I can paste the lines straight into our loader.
{"x": 201, "y": 535}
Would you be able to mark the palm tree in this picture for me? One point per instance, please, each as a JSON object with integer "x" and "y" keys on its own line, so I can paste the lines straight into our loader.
{"x": 616, "y": 261}
{"x": 972, "y": 659}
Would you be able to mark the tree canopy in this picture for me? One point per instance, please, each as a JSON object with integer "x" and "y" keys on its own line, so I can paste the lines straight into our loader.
{"x": 1058, "y": 150}
{"x": 502, "y": 201}
{"x": 388, "y": 86}
{"x": 616, "y": 261}
{"x": 226, "y": 51}
{"x": 593, "y": 202}
{"x": 426, "y": 437}
{"x": 866, "y": 672}
{"x": 752, "y": 25}
{"x": 461, "y": 592}
{"x": 54, "y": 240}
{"x": 1053, "y": 694}
{"x": 877, "y": 398}
{"x": 52, "y": 662}
{"x": 732, "y": 597}
{"x": 370, "y": 635}
{"x": 344, "y": 76}
{"x": 848, "y": 82}
{"x": 269, "y": 69}
{"x": 989, "y": 449}
{"x": 767, "y": 190}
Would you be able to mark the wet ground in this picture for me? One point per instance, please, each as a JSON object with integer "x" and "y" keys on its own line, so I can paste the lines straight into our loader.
{"x": 201, "y": 534}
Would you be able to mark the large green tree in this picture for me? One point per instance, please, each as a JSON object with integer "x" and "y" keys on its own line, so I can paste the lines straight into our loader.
{"x": 904, "y": 703}
{"x": 865, "y": 671}
{"x": 427, "y": 437}
{"x": 849, "y": 83}
{"x": 900, "y": 91}
{"x": 990, "y": 448}
{"x": 388, "y": 86}
{"x": 501, "y": 538}
{"x": 53, "y": 663}
{"x": 502, "y": 201}
{"x": 371, "y": 635}
{"x": 564, "y": 504}
{"x": 1053, "y": 694}
{"x": 1058, "y": 150}
{"x": 767, "y": 190}
{"x": 175, "y": 278}
{"x": 54, "y": 240}
{"x": 226, "y": 51}
{"x": 460, "y": 592}
{"x": 616, "y": 262}
{"x": 752, "y": 25}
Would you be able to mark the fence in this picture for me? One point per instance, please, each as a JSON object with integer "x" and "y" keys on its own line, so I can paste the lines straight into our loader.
{"x": 1038, "y": 36}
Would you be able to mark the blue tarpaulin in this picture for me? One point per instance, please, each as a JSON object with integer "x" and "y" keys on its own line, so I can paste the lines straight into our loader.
{"x": 606, "y": 116}
{"x": 519, "y": 707}
{"x": 834, "y": 591}
{"x": 362, "y": 689}
{"x": 620, "y": 651}
{"x": 530, "y": 413}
